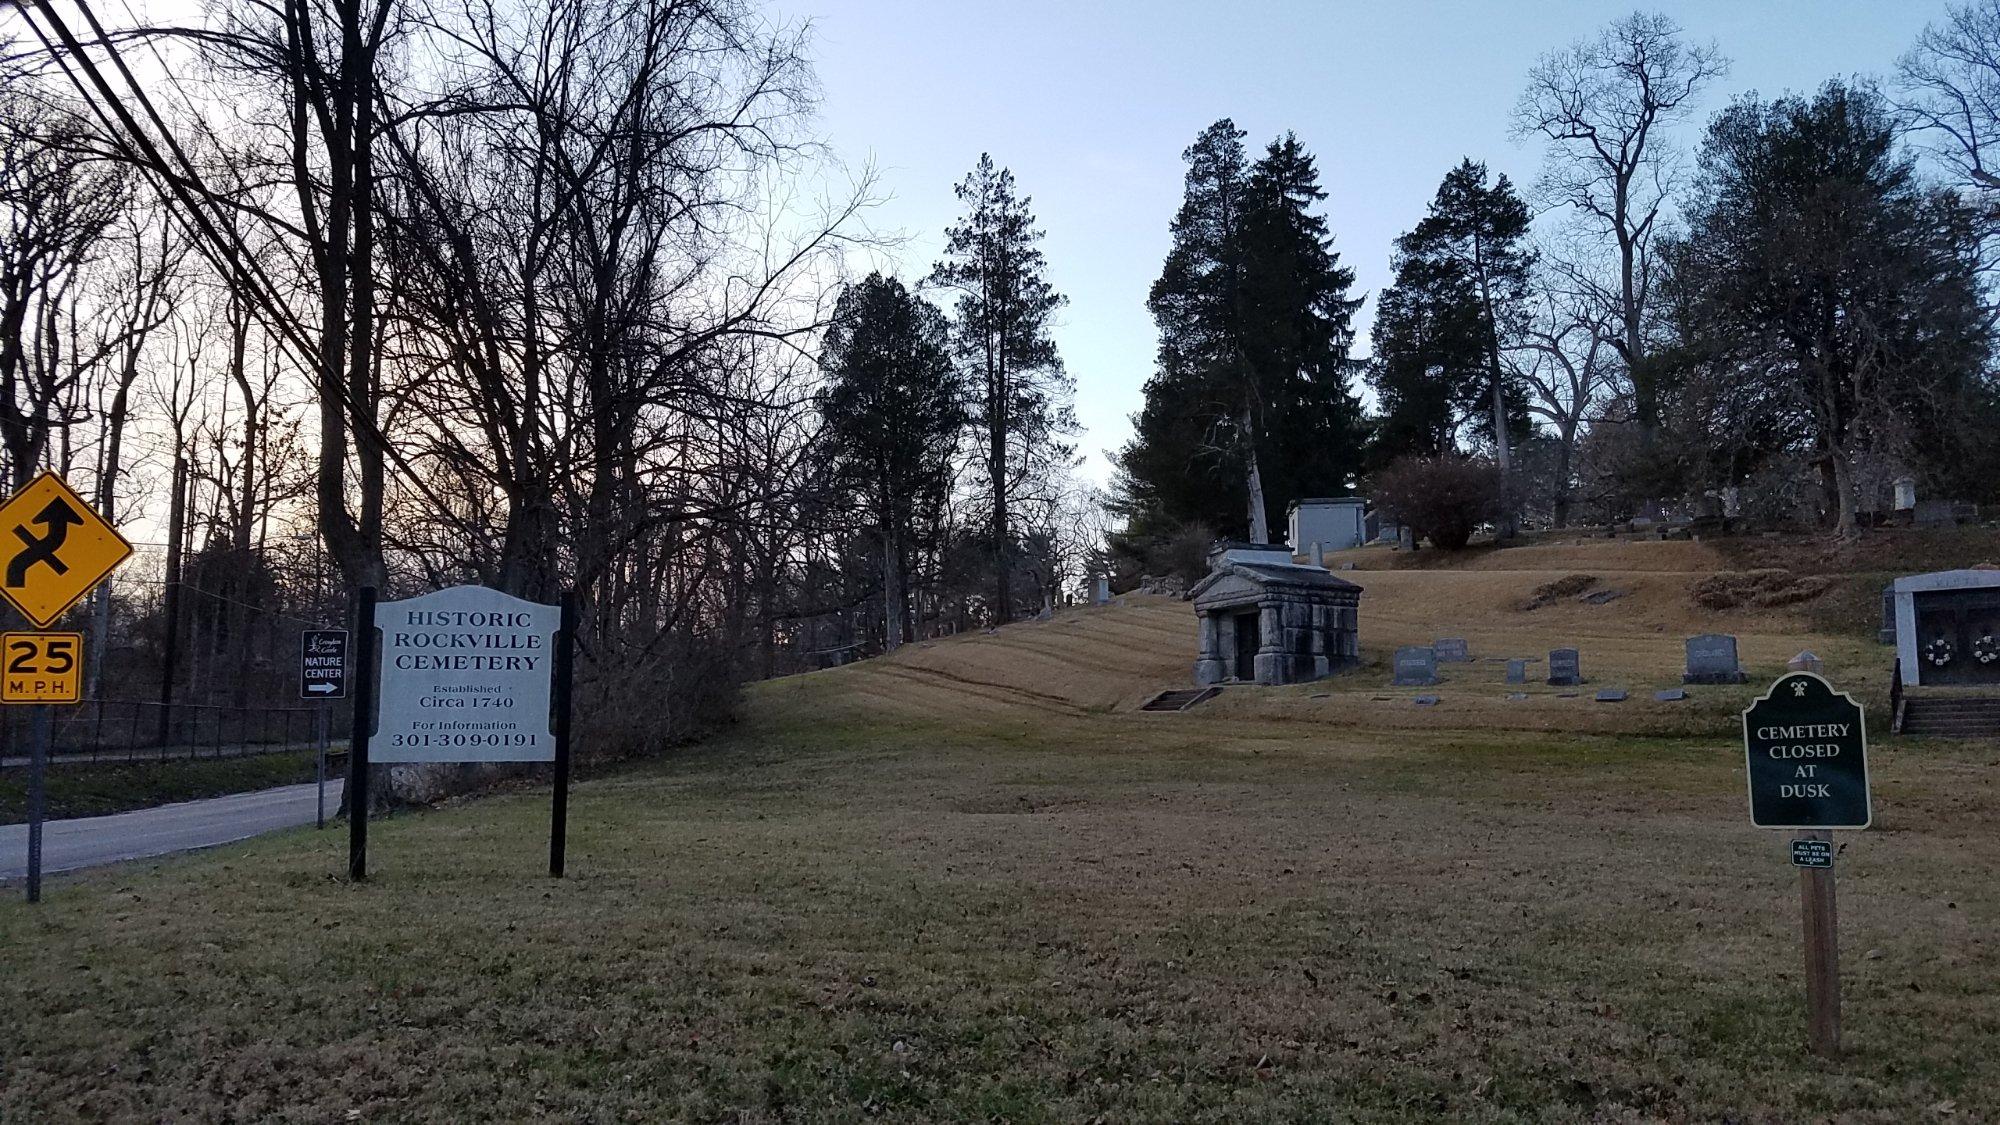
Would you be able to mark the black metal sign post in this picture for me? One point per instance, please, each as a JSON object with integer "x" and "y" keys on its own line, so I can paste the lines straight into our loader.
{"x": 364, "y": 722}
{"x": 565, "y": 665}
{"x": 38, "y": 769}
{"x": 1806, "y": 748}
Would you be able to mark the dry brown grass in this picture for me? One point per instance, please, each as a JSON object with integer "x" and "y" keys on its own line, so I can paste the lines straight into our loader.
{"x": 969, "y": 883}
{"x": 839, "y": 914}
{"x": 1116, "y": 657}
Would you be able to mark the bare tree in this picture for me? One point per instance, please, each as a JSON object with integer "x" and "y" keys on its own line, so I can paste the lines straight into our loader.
{"x": 1950, "y": 90}
{"x": 1602, "y": 104}
{"x": 58, "y": 203}
{"x": 1564, "y": 353}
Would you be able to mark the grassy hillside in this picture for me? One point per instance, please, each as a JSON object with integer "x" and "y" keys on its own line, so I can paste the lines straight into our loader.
{"x": 1631, "y": 636}
{"x": 972, "y": 883}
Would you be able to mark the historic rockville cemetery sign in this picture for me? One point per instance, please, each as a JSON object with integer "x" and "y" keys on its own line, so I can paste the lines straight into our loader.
{"x": 466, "y": 677}
{"x": 466, "y": 674}
{"x": 1806, "y": 746}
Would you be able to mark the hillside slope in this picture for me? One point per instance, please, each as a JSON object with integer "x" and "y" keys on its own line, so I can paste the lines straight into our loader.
{"x": 1629, "y": 624}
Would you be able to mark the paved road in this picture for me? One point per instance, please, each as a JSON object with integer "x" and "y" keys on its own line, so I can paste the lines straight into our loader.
{"x": 94, "y": 840}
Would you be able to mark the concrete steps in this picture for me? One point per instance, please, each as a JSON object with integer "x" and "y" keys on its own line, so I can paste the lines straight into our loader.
{"x": 1180, "y": 700}
{"x": 1972, "y": 717}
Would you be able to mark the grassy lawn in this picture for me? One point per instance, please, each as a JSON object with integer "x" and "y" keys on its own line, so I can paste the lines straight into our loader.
{"x": 97, "y": 788}
{"x": 1041, "y": 916}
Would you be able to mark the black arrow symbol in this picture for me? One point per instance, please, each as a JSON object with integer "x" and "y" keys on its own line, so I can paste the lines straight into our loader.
{"x": 58, "y": 517}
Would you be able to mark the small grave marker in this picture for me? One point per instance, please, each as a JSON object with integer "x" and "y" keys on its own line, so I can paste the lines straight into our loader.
{"x": 1416, "y": 666}
{"x": 1452, "y": 650}
{"x": 1670, "y": 695}
{"x": 1427, "y": 701}
{"x": 1611, "y": 695}
{"x": 1517, "y": 671}
{"x": 1565, "y": 667}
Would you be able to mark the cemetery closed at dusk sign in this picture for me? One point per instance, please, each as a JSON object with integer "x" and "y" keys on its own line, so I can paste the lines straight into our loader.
{"x": 467, "y": 674}
{"x": 1807, "y": 749}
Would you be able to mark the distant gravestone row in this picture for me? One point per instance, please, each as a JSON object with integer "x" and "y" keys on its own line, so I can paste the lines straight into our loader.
{"x": 1711, "y": 658}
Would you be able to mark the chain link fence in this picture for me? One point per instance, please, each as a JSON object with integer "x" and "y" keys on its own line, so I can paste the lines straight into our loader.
{"x": 101, "y": 730}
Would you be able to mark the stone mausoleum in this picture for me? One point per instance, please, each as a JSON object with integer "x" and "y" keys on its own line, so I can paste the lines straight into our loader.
{"x": 1263, "y": 618}
{"x": 1948, "y": 627}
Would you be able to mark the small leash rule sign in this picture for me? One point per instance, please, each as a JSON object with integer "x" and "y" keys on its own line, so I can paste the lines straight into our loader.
{"x": 1812, "y": 853}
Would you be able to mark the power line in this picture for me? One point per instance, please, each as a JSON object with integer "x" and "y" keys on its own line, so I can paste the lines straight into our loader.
{"x": 188, "y": 189}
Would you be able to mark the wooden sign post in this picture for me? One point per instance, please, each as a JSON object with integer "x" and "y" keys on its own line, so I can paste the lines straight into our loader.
{"x": 1816, "y": 903}
{"x": 1806, "y": 748}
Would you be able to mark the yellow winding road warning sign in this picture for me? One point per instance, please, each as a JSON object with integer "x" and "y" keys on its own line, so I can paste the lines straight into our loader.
{"x": 53, "y": 549}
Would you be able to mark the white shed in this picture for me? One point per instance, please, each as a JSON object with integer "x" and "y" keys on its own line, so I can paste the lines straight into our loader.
{"x": 1335, "y": 523}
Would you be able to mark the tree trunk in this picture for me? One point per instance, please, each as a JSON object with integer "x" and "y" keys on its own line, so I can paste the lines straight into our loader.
{"x": 997, "y": 423}
{"x": 1260, "y": 528}
{"x": 1565, "y": 451}
{"x": 1846, "y": 525}
{"x": 892, "y": 588}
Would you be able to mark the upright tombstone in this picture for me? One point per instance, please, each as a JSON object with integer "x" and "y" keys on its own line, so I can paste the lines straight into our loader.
{"x": 1906, "y": 493}
{"x": 1100, "y": 589}
{"x": 1517, "y": 671}
{"x": 465, "y": 674}
{"x": 1711, "y": 659}
{"x": 1452, "y": 650}
{"x": 1565, "y": 667}
{"x": 1807, "y": 661}
{"x": 1416, "y": 666}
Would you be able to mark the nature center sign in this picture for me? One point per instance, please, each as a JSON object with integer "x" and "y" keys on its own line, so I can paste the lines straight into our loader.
{"x": 467, "y": 676}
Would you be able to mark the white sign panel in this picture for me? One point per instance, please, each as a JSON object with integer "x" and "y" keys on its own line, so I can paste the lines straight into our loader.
{"x": 466, "y": 677}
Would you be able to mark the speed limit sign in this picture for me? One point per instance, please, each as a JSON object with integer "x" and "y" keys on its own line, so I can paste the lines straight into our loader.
{"x": 41, "y": 667}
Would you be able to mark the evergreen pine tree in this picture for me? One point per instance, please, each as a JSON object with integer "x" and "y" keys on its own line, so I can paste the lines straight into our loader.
{"x": 1484, "y": 229}
{"x": 1428, "y": 368}
{"x": 1248, "y": 408}
{"x": 894, "y": 409}
{"x": 1021, "y": 406}
{"x": 1441, "y": 330}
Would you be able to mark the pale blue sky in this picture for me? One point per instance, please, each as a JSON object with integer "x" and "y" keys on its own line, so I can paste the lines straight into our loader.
{"x": 1091, "y": 104}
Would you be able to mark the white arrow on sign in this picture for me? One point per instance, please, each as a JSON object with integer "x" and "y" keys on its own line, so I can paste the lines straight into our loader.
{"x": 321, "y": 688}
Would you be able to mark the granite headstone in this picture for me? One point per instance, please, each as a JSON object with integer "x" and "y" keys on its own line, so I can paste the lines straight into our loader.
{"x": 1711, "y": 659}
{"x": 1416, "y": 666}
{"x": 1565, "y": 667}
{"x": 1452, "y": 650}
